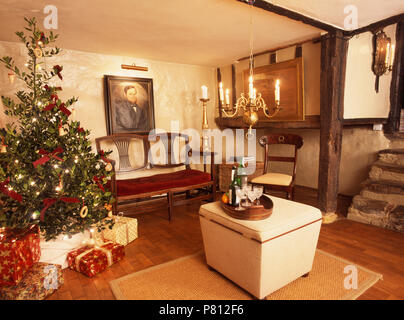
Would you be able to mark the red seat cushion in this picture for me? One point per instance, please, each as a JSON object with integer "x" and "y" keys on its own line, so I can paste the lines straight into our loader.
{"x": 177, "y": 179}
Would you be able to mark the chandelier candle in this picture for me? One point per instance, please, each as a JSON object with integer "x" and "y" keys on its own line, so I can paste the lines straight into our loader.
{"x": 221, "y": 92}
{"x": 277, "y": 92}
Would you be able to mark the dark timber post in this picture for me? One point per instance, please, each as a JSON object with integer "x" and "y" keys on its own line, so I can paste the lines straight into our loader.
{"x": 397, "y": 83}
{"x": 334, "y": 50}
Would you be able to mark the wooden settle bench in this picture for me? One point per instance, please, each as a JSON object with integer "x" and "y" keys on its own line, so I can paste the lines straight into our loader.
{"x": 155, "y": 183}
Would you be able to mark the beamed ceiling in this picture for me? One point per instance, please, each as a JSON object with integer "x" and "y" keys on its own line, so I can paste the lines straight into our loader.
{"x": 201, "y": 32}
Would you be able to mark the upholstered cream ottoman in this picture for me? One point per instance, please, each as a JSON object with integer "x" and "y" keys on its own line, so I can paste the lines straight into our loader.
{"x": 261, "y": 256}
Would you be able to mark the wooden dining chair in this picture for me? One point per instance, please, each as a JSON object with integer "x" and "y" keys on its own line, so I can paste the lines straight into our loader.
{"x": 279, "y": 181}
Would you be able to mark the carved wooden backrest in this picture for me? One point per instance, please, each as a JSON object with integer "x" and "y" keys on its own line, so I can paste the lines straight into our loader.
{"x": 122, "y": 143}
{"x": 169, "y": 140}
{"x": 285, "y": 139}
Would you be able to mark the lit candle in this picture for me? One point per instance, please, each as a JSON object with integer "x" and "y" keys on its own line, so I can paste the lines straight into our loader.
{"x": 204, "y": 92}
{"x": 277, "y": 91}
{"x": 251, "y": 87}
{"x": 221, "y": 92}
{"x": 254, "y": 93}
{"x": 393, "y": 49}
{"x": 387, "y": 58}
{"x": 227, "y": 96}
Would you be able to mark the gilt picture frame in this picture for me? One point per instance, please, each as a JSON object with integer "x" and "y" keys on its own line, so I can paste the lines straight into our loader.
{"x": 291, "y": 76}
{"x": 129, "y": 105}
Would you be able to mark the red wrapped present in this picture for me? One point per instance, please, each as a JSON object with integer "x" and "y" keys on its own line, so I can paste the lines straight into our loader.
{"x": 19, "y": 250}
{"x": 40, "y": 281}
{"x": 92, "y": 260}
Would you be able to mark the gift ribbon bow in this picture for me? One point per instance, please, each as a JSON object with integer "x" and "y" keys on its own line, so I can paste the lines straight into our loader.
{"x": 47, "y": 88}
{"x": 48, "y": 202}
{"x": 10, "y": 193}
{"x": 102, "y": 154}
{"x": 58, "y": 69}
{"x": 2, "y": 142}
{"x": 61, "y": 108}
{"x": 47, "y": 156}
{"x": 98, "y": 180}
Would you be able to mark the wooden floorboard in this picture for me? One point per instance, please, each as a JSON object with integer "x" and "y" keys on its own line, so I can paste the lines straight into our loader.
{"x": 160, "y": 241}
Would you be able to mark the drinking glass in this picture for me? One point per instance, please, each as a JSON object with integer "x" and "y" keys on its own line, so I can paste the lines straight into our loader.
{"x": 251, "y": 195}
{"x": 240, "y": 195}
{"x": 259, "y": 190}
{"x": 247, "y": 188}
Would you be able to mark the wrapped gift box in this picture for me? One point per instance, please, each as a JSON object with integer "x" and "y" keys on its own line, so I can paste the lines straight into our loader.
{"x": 92, "y": 260}
{"x": 123, "y": 232}
{"x": 40, "y": 281}
{"x": 18, "y": 252}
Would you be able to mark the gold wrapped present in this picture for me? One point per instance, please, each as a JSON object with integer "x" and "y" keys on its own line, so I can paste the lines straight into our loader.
{"x": 123, "y": 232}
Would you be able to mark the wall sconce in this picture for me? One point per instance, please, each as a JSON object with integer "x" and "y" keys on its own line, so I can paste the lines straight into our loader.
{"x": 383, "y": 55}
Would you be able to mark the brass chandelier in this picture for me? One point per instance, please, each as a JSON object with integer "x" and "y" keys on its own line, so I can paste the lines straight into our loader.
{"x": 252, "y": 103}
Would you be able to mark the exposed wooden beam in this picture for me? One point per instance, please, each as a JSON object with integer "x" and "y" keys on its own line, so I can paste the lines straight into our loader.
{"x": 322, "y": 25}
{"x": 397, "y": 83}
{"x": 273, "y": 50}
{"x": 376, "y": 26}
{"x": 233, "y": 84}
{"x": 364, "y": 121}
{"x": 219, "y": 79}
{"x": 311, "y": 122}
{"x": 292, "y": 15}
{"x": 334, "y": 48}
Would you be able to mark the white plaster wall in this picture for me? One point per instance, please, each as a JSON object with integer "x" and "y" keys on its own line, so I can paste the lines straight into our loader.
{"x": 359, "y": 151}
{"x": 361, "y": 99}
{"x": 177, "y": 87}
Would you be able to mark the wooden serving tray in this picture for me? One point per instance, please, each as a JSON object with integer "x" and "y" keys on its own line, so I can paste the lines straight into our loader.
{"x": 261, "y": 212}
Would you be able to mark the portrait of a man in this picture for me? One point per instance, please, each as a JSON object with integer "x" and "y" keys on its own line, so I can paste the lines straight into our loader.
{"x": 129, "y": 105}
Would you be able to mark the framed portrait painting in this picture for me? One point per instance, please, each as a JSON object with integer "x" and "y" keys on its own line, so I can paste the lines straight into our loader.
{"x": 129, "y": 105}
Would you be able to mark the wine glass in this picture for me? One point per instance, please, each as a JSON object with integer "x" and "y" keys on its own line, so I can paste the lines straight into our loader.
{"x": 259, "y": 190}
{"x": 251, "y": 195}
{"x": 247, "y": 188}
{"x": 240, "y": 195}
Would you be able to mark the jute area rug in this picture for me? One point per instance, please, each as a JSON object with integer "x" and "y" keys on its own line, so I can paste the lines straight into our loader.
{"x": 189, "y": 278}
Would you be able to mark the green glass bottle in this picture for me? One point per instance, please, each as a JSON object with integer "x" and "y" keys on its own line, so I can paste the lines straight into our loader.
{"x": 233, "y": 186}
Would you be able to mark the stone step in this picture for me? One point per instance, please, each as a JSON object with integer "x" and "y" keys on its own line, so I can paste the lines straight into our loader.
{"x": 393, "y": 156}
{"x": 396, "y": 219}
{"x": 386, "y": 171}
{"x": 389, "y": 191}
{"x": 377, "y": 212}
{"x": 374, "y": 212}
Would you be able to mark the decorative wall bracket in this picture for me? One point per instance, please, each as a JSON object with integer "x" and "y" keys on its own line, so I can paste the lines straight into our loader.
{"x": 383, "y": 55}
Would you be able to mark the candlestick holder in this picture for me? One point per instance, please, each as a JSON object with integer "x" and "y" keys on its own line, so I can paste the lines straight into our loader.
{"x": 205, "y": 126}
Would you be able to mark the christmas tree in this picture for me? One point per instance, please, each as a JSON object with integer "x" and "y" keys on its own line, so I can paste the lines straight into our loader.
{"x": 48, "y": 173}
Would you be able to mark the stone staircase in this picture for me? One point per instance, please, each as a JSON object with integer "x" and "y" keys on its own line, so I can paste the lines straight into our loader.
{"x": 381, "y": 201}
